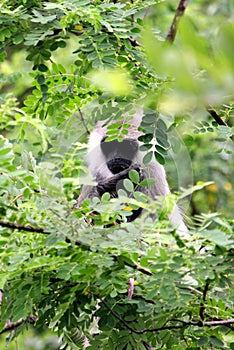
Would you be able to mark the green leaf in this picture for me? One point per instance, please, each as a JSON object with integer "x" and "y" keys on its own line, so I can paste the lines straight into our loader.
{"x": 147, "y": 158}
{"x": 128, "y": 185}
{"x": 161, "y": 150}
{"x": 149, "y": 118}
{"x": 218, "y": 237}
{"x": 105, "y": 197}
{"x": 203, "y": 341}
{"x": 44, "y": 88}
{"x": 146, "y": 138}
{"x": 6, "y": 151}
{"x": 161, "y": 125}
{"x": 145, "y": 147}
{"x": 163, "y": 254}
{"x": 161, "y": 138}
{"x": 40, "y": 79}
{"x": 216, "y": 342}
{"x": 42, "y": 67}
{"x": 147, "y": 182}
{"x": 159, "y": 158}
{"x": 107, "y": 322}
{"x": 188, "y": 140}
{"x": 134, "y": 176}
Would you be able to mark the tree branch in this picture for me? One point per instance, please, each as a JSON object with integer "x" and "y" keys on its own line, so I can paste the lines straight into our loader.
{"x": 11, "y": 326}
{"x": 219, "y": 322}
{"x": 210, "y": 323}
{"x": 202, "y": 305}
{"x": 41, "y": 230}
{"x": 27, "y": 228}
{"x": 179, "y": 13}
{"x": 216, "y": 117}
{"x": 133, "y": 42}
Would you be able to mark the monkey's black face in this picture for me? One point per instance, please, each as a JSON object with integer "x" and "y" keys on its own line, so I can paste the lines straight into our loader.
{"x": 119, "y": 155}
{"x": 120, "y": 158}
{"x": 117, "y": 165}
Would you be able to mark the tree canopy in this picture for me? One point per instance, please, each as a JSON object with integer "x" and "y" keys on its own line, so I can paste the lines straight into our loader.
{"x": 64, "y": 65}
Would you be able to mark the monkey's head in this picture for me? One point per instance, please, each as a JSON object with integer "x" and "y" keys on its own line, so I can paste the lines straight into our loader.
{"x": 108, "y": 158}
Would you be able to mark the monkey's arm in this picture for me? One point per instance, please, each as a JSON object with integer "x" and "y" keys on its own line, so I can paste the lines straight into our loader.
{"x": 109, "y": 185}
{"x": 85, "y": 193}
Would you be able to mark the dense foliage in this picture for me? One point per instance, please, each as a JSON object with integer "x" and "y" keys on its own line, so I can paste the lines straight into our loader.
{"x": 65, "y": 65}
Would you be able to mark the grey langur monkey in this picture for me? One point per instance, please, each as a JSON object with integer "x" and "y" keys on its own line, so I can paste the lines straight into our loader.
{"x": 110, "y": 163}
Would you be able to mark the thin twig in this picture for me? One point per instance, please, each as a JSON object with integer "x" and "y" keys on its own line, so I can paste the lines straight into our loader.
{"x": 202, "y": 305}
{"x": 179, "y": 13}
{"x": 219, "y": 322}
{"x": 216, "y": 117}
{"x": 132, "y": 265}
{"x": 190, "y": 288}
{"x": 133, "y": 42}
{"x": 83, "y": 121}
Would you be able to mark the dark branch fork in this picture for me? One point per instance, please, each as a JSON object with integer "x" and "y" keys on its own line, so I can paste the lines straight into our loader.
{"x": 179, "y": 13}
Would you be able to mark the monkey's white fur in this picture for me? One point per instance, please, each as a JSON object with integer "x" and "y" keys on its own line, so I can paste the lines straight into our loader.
{"x": 97, "y": 166}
